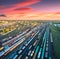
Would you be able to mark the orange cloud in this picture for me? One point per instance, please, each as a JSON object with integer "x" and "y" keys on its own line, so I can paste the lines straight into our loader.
{"x": 57, "y": 13}
{"x": 33, "y": 16}
{"x": 42, "y": 16}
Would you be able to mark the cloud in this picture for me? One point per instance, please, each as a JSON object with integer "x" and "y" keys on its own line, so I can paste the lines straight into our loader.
{"x": 57, "y": 13}
{"x": 23, "y": 9}
{"x": 20, "y": 5}
{"x": 1, "y": 7}
{"x": 2, "y": 15}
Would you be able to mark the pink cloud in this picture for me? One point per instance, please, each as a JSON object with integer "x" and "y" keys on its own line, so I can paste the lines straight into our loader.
{"x": 19, "y": 5}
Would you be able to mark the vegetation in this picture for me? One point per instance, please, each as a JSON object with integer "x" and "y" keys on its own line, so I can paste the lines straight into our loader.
{"x": 56, "y": 40}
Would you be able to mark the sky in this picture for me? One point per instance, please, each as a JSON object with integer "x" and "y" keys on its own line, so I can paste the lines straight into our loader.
{"x": 29, "y": 9}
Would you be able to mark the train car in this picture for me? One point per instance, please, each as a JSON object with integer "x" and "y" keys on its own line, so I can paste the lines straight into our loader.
{"x": 1, "y": 48}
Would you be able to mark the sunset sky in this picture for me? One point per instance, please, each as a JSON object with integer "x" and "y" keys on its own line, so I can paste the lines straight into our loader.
{"x": 29, "y": 9}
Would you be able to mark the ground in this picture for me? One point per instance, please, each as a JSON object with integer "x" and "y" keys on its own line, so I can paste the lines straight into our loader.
{"x": 56, "y": 40}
